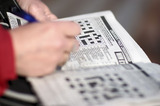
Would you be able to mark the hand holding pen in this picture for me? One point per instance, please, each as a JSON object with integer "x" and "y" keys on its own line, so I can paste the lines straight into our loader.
{"x": 41, "y": 46}
{"x": 37, "y": 9}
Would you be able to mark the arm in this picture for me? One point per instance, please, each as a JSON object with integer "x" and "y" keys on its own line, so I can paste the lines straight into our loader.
{"x": 38, "y": 49}
{"x": 35, "y": 49}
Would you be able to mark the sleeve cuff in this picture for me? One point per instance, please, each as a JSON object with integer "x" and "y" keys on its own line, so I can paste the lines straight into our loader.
{"x": 7, "y": 65}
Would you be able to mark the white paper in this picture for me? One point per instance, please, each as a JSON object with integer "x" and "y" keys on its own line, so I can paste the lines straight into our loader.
{"x": 15, "y": 21}
{"x": 98, "y": 74}
{"x": 103, "y": 41}
{"x": 125, "y": 84}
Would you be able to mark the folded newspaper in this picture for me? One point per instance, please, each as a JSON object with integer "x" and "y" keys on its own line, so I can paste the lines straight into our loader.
{"x": 108, "y": 69}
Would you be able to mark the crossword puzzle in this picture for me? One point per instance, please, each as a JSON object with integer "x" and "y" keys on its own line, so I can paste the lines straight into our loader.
{"x": 99, "y": 88}
{"x": 89, "y": 35}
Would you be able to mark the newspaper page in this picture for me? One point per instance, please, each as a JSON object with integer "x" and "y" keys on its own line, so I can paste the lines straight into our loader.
{"x": 117, "y": 85}
{"x": 103, "y": 41}
{"x": 15, "y": 21}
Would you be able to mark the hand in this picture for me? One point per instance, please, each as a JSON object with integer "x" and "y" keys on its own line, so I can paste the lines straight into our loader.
{"x": 41, "y": 47}
{"x": 37, "y": 9}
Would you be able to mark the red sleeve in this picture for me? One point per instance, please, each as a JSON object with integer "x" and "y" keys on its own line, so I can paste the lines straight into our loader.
{"x": 7, "y": 67}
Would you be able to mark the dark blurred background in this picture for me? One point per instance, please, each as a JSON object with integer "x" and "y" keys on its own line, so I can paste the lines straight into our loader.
{"x": 141, "y": 18}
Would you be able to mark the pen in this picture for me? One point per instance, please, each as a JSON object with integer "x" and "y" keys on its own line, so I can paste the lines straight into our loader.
{"x": 25, "y": 16}
{"x": 21, "y": 13}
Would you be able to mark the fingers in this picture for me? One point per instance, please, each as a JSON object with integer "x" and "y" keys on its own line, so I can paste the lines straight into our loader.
{"x": 64, "y": 59}
{"x": 70, "y": 28}
{"x": 51, "y": 17}
{"x": 50, "y": 46}
{"x": 37, "y": 12}
{"x": 41, "y": 12}
{"x": 68, "y": 48}
{"x": 42, "y": 16}
{"x": 71, "y": 44}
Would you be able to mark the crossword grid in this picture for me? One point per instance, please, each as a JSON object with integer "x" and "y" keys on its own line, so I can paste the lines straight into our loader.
{"x": 98, "y": 89}
{"x": 88, "y": 35}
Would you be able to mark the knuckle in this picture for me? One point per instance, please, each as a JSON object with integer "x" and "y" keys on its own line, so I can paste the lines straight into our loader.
{"x": 59, "y": 44}
{"x": 49, "y": 70}
{"x": 50, "y": 27}
{"x": 76, "y": 27}
{"x": 71, "y": 45}
{"x": 46, "y": 28}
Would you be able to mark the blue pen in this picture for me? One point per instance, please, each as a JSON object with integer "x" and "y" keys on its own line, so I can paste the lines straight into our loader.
{"x": 16, "y": 9}
{"x": 25, "y": 16}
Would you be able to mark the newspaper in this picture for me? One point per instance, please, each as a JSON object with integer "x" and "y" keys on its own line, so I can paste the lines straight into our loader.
{"x": 108, "y": 69}
{"x": 118, "y": 85}
{"x": 103, "y": 41}
{"x": 15, "y": 21}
